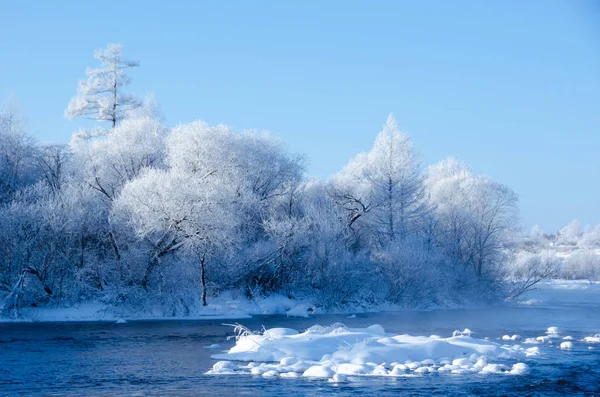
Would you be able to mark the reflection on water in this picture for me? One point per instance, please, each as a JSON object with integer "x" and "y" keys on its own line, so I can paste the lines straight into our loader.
{"x": 157, "y": 358}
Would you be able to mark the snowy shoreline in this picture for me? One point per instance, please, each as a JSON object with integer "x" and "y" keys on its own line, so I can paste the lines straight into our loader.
{"x": 225, "y": 306}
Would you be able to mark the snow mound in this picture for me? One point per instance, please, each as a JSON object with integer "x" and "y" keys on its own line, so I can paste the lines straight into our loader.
{"x": 566, "y": 345}
{"x": 337, "y": 352}
{"x": 592, "y": 339}
{"x": 301, "y": 310}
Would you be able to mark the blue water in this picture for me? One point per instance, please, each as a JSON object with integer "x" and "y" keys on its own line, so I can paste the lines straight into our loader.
{"x": 157, "y": 358}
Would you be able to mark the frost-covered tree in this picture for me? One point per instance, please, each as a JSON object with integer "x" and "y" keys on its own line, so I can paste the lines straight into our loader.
{"x": 570, "y": 234}
{"x": 17, "y": 151}
{"x": 107, "y": 164}
{"x": 383, "y": 188}
{"x": 537, "y": 234}
{"x": 100, "y": 97}
{"x": 590, "y": 239}
{"x": 176, "y": 210}
{"x": 51, "y": 162}
{"x": 477, "y": 216}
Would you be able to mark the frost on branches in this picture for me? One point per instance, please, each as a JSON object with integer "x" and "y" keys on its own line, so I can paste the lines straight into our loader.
{"x": 100, "y": 97}
{"x": 154, "y": 218}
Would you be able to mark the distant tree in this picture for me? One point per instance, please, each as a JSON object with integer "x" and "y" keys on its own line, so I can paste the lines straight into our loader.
{"x": 570, "y": 234}
{"x": 591, "y": 239}
{"x": 17, "y": 151}
{"x": 100, "y": 97}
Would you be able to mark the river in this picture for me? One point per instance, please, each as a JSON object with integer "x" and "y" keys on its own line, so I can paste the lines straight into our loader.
{"x": 158, "y": 358}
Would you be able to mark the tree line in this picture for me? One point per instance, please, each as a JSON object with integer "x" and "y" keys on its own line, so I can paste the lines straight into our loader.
{"x": 139, "y": 214}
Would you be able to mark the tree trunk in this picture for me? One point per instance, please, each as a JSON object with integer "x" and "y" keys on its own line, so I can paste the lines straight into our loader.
{"x": 203, "y": 279}
{"x": 113, "y": 242}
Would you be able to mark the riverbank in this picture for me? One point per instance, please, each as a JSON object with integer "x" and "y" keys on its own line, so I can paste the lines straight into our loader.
{"x": 229, "y": 306}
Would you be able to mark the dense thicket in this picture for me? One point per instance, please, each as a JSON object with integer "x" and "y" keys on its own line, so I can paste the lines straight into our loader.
{"x": 144, "y": 215}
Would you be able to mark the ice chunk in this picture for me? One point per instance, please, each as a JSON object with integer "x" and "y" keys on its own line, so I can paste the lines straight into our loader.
{"x": 318, "y": 371}
{"x": 592, "y": 339}
{"x": 519, "y": 369}
{"x": 224, "y": 364}
{"x": 338, "y": 378}
{"x": 566, "y": 345}
{"x": 399, "y": 369}
{"x": 287, "y": 361}
{"x": 301, "y": 310}
{"x": 423, "y": 370}
{"x": 223, "y": 367}
{"x": 289, "y": 375}
{"x": 279, "y": 332}
{"x": 491, "y": 369}
{"x": 461, "y": 361}
{"x": 552, "y": 330}
{"x": 352, "y": 369}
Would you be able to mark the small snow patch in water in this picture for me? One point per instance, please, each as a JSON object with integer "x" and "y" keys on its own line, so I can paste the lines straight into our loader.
{"x": 520, "y": 369}
{"x": 566, "y": 345}
{"x": 592, "y": 339}
{"x": 552, "y": 331}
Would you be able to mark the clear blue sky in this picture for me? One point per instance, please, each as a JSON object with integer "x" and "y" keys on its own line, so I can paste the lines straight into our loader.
{"x": 510, "y": 87}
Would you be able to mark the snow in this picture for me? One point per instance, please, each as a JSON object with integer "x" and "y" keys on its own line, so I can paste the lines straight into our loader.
{"x": 301, "y": 310}
{"x": 224, "y": 306}
{"x": 566, "y": 345}
{"x": 519, "y": 369}
{"x": 592, "y": 339}
{"x": 552, "y": 331}
{"x": 337, "y": 352}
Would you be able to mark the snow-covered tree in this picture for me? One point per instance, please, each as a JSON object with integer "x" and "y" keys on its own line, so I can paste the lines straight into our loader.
{"x": 570, "y": 234}
{"x": 590, "y": 239}
{"x": 17, "y": 151}
{"x": 383, "y": 188}
{"x": 537, "y": 234}
{"x": 107, "y": 164}
{"x": 476, "y": 215}
{"x": 100, "y": 97}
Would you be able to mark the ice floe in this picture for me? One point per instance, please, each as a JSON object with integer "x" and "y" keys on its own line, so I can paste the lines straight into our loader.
{"x": 592, "y": 339}
{"x": 566, "y": 345}
{"x": 338, "y": 353}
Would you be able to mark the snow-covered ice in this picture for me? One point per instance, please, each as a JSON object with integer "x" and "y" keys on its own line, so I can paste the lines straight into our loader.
{"x": 337, "y": 352}
{"x": 566, "y": 345}
{"x": 592, "y": 339}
